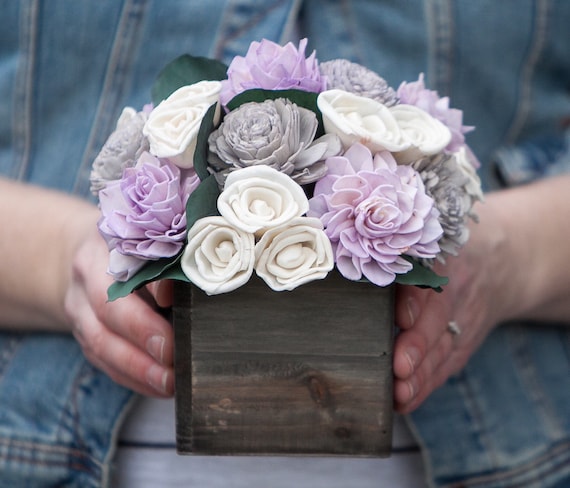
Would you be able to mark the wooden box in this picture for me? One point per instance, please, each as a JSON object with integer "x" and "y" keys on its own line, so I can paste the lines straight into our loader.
{"x": 285, "y": 373}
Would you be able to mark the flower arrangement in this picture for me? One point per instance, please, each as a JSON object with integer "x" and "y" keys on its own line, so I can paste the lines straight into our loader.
{"x": 284, "y": 166}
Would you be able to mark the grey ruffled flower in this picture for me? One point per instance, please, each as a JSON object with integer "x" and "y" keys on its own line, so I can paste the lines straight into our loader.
{"x": 275, "y": 133}
{"x": 355, "y": 78}
{"x": 454, "y": 194}
{"x": 121, "y": 150}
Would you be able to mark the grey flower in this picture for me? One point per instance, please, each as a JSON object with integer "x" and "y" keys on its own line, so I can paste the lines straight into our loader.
{"x": 450, "y": 186}
{"x": 355, "y": 78}
{"x": 275, "y": 133}
{"x": 121, "y": 150}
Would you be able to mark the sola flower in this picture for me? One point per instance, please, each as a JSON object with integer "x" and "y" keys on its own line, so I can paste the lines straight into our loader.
{"x": 452, "y": 182}
{"x": 354, "y": 78}
{"x": 375, "y": 211}
{"x": 121, "y": 150}
{"x": 274, "y": 133}
{"x": 416, "y": 93}
{"x": 144, "y": 214}
{"x": 270, "y": 66}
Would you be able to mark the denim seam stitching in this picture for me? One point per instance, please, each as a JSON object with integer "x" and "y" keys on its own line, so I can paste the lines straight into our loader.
{"x": 527, "y": 72}
{"x": 558, "y": 456}
{"x": 114, "y": 85}
{"x": 23, "y": 89}
{"x": 227, "y": 31}
{"x": 441, "y": 33}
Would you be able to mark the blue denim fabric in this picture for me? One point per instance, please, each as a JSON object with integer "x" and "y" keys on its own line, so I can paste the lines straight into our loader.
{"x": 67, "y": 69}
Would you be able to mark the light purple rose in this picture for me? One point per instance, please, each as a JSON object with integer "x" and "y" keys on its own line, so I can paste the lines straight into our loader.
{"x": 416, "y": 93}
{"x": 375, "y": 211}
{"x": 270, "y": 66}
{"x": 144, "y": 214}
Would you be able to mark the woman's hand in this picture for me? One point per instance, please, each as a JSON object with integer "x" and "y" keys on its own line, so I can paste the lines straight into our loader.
{"x": 128, "y": 338}
{"x": 428, "y": 350}
{"x": 516, "y": 265}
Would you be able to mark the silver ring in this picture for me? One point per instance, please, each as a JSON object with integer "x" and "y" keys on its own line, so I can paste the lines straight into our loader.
{"x": 453, "y": 328}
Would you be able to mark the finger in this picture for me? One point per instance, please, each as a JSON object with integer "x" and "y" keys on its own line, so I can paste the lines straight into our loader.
{"x": 122, "y": 361}
{"x": 412, "y": 345}
{"x": 428, "y": 376}
{"x": 409, "y": 303}
{"x": 135, "y": 321}
{"x": 162, "y": 292}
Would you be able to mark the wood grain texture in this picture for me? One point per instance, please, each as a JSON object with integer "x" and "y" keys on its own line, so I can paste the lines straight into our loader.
{"x": 288, "y": 373}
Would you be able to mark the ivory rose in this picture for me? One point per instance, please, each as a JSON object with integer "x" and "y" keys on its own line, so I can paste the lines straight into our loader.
{"x": 427, "y": 135}
{"x": 257, "y": 198}
{"x": 294, "y": 254}
{"x": 218, "y": 257}
{"x": 172, "y": 127}
{"x": 355, "y": 118}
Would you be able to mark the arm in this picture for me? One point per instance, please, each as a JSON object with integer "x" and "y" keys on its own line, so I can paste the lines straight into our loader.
{"x": 53, "y": 266}
{"x": 516, "y": 266}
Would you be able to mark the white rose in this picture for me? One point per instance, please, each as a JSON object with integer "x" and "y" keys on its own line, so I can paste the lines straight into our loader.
{"x": 172, "y": 127}
{"x": 294, "y": 254}
{"x": 218, "y": 258}
{"x": 257, "y": 198}
{"x": 360, "y": 119}
{"x": 473, "y": 185}
{"x": 427, "y": 135}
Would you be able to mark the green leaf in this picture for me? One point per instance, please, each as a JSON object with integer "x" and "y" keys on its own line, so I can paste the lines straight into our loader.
{"x": 186, "y": 70}
{"x": 302, "y": 98}
{"x": 202, "y": 201}
{"x": 152, "y": 271}
{"x": 421, "y": 276}
{"x": 201, "y": 152}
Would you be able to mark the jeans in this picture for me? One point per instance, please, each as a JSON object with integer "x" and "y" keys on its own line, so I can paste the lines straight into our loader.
{"x": 68, "y": 68}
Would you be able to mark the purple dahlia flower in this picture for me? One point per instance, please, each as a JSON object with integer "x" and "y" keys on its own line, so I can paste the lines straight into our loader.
{"x": 270, "y": 66}
{"x": 375, "y": 211}
{"x": 144, "y": 214}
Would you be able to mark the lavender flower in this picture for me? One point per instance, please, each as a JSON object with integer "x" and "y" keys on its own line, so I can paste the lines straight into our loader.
{"x": 275, "y": 133}
{"x": 352, "y": 77}
{"x": 374, "y": 211}
{"x": 270, "y": 66}
{"x": 144, "y": 214}
{"x": 415, "y": 93}
{"x": 121, "y": 150}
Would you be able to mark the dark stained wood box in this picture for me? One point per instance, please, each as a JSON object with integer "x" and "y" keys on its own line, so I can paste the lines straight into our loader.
{"x": 285, "y": 373}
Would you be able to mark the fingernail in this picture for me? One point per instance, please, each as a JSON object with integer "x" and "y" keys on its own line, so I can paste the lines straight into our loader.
{"x": 411, "y": 389}
{"x": 157, "y": 378}
{"x": 413, "y": 309}
{"x": 155, "y": 347}
{"x": 413, "y": 357}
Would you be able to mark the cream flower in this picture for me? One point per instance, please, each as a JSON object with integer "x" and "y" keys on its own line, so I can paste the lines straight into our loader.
{"x": 172, "y": 127}
{"x": 218, "y": 258}
{"x": 426, "y": 135}
{"x": 355, "y": 118}
{"x": 294, "y": 254}
{"x": 257, "y": 198}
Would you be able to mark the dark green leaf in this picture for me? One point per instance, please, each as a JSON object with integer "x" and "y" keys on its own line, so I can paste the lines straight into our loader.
{"x": 203, "y": 201}
{"x": 422, "y": 277}
{"x": 302, "y": 98}
{"x": 152, "y": 271}
{"x": 186, "y": 70}
{"x": 201, "y": 152}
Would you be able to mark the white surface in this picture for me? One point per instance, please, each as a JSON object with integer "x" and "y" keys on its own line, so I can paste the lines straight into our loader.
{"x": 147, "y": 459}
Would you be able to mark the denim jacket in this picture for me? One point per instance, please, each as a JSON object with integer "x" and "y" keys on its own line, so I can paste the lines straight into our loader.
{"x": 66, "y": 70}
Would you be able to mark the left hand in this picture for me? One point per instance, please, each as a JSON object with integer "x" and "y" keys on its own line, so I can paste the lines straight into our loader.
{"x": 479, "y": 295}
